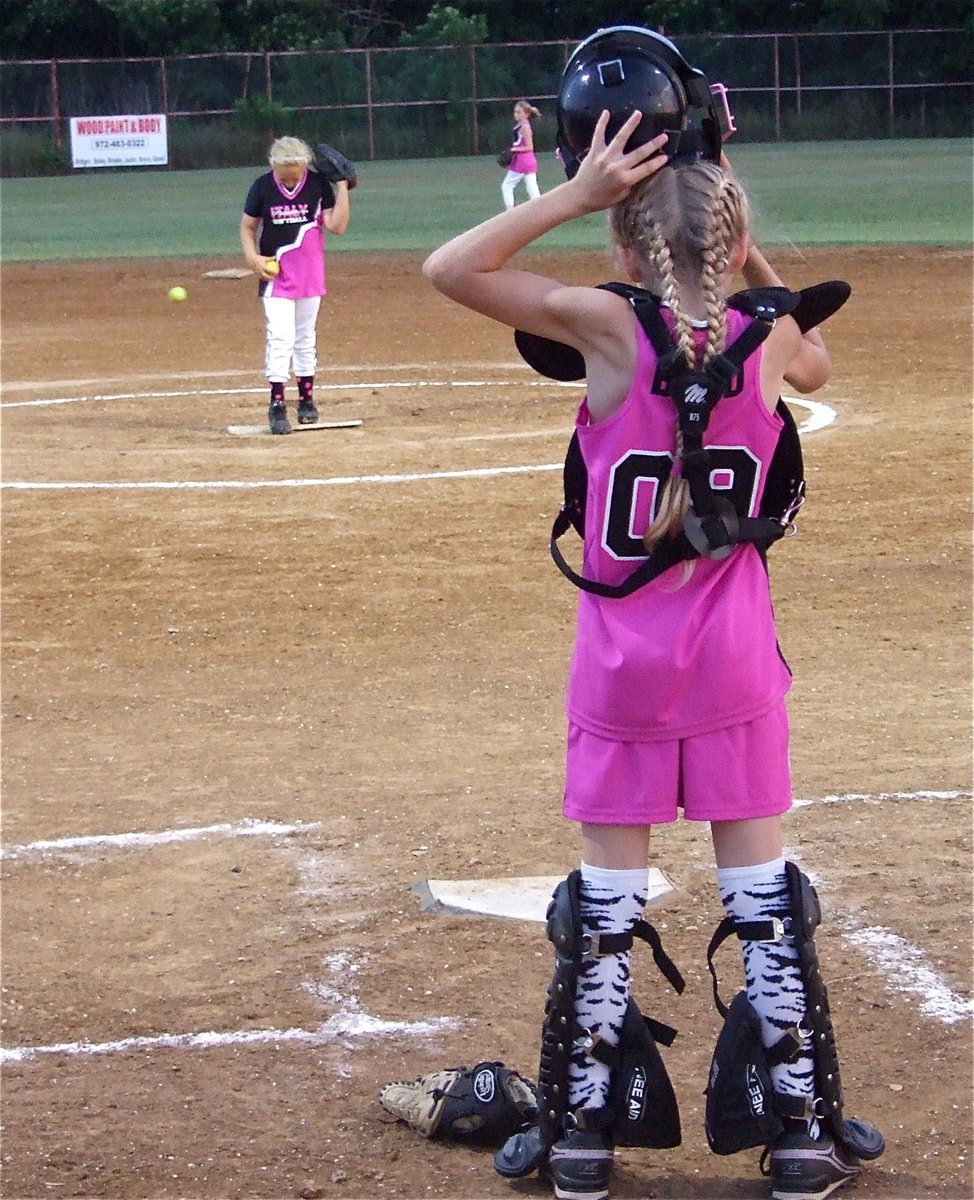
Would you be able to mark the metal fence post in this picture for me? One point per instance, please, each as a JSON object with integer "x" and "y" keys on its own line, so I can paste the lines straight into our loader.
{"x": 889, "y": 62}
{"x": 164, "y": 87}
{"x": 777, "y": 88}
{"x": 56, "y": 107}
{"x": 475, "y": 128}
{"x": 368, "y": 103}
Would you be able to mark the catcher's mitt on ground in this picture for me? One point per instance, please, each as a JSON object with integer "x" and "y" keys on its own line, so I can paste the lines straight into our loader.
{"x": 486, "y": 1104}
{"x": 334, "y": 165}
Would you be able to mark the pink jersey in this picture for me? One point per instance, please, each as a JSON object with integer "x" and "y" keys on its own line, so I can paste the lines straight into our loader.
{"x": 524, "y": 162}
{"x": 675, "y": 658}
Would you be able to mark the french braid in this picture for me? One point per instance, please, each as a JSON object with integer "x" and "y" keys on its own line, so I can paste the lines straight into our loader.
{"x": 683, "y": 223}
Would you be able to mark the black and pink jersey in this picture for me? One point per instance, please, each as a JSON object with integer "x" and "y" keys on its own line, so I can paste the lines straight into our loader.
{"x": 291, "y": 231}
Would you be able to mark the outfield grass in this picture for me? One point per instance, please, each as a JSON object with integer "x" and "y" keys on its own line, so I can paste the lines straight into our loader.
{"x": 813, "y": 193}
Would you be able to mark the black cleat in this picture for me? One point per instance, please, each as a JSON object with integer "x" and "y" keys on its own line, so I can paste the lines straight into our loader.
{"x": 580, "y": 1164}
{"x": 807, "y": 1168}
{"x": 307, "y": 413}
{"x": 277, "y": 416}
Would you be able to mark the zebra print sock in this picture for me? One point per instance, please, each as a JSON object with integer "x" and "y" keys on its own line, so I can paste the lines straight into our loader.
{"x": 771, "y": 969}
{"x": 611, "y": 902}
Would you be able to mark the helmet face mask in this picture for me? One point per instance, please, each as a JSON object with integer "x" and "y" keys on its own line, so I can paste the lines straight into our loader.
{"x": 626, "y": 69}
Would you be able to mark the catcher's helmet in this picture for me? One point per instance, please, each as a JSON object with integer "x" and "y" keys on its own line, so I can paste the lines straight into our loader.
{"x": 625, "y": 68}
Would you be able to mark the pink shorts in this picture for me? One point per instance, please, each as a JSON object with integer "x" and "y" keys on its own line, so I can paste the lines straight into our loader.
{"x": 728, "y": 775}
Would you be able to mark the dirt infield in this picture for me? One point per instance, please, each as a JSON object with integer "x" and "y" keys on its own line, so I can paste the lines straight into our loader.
{"x": 352, "y": 679}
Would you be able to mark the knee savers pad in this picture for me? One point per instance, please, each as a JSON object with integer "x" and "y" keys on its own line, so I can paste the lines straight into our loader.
{"x": 740, "y": 1111}
{"x": 642, "y": 1098}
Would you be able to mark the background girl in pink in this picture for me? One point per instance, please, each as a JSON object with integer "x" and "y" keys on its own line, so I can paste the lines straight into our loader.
{"x": 524, "y": 164}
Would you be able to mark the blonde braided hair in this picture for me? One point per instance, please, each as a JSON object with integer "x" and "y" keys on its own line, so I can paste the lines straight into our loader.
{"x": 683, "y": 223}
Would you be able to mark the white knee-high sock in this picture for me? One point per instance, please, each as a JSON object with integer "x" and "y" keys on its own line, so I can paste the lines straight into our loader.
{"x": 771, "y": 969}
{"x": 611, "y": 902}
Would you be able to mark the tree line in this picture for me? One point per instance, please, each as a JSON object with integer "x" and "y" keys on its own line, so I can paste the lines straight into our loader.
{"x": 150, "y": 28}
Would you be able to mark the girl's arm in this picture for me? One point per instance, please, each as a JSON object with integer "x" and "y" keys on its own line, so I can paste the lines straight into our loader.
{"x": 803, "y": 360}
{"x": 336, "y": 218}
{"x": 249, "y": 228}
{"x": 473, "y": 268}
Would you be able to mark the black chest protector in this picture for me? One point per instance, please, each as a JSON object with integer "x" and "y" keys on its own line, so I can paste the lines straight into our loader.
{"x": 713, "y": 526}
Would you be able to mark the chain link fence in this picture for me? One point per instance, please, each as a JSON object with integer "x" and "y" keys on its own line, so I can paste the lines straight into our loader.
{"x": 426, "y": 102}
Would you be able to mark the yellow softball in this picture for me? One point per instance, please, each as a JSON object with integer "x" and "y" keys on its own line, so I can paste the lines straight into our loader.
{"x": 178, "y": 293}
{"x": 273, "y": 267}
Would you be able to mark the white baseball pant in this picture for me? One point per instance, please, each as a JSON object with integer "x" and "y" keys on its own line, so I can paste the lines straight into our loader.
{"x": 510, "y": 182}
{"x": 291, "y": 337}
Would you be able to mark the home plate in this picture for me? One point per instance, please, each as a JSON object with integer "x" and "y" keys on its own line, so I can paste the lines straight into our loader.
{"x": 259, "y": 430}
{"x": 524, "y": 899}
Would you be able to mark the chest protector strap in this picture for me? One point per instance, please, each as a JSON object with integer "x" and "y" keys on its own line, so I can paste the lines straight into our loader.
{"x": 712, "y": 527}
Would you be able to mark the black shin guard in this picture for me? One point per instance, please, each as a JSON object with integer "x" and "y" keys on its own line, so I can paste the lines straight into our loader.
{"x": 742, "y": 1108}
{"x": 642, "y": 1109}
{"x": 859, "y": 1137}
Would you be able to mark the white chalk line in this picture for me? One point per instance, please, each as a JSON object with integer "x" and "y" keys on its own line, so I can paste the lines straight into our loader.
{"x": 907, "y": 972}
{"x": 34, "y": 385}
{"x": 821, "y": 416}
{"x": 169, "y": 485}
{"x": 355, "y": 1024}
{"x": 876, "y": 797}
{"x": 250, "y": 827}
{"x": 125, "y": 841}
{"x": 320, "y": 386}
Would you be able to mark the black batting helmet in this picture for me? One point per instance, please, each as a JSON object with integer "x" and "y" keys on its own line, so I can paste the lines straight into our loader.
{"x": 625, "y": 68}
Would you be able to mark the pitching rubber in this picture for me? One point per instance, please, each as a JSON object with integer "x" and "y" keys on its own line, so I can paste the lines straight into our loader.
{"x": 260, "y": 430}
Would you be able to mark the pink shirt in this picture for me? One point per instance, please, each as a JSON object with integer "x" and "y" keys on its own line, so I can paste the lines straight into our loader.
{"x": 524, "y": 162}
{"x": 673, "y": 659}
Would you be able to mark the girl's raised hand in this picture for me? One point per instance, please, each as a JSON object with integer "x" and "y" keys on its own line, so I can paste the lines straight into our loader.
{"x": 607, "y": 173}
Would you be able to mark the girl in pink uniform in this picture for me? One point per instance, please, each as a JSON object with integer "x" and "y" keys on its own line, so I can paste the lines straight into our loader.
{"x": 524, "y": 164}
{"x": 676, "y": 697}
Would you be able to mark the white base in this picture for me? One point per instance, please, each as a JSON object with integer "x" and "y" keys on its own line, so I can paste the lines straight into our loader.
{"x": 523, "y": 899}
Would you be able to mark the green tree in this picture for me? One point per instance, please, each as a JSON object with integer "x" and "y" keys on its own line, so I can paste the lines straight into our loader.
{"x": 447, "y": 26}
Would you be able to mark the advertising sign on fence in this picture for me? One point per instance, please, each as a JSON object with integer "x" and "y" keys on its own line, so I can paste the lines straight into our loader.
{"x": 138, "y": 140}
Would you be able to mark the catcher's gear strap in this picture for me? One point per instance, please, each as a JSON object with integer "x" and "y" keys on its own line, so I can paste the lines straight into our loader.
{"x": 599, "y": 944}
{"x": 799, "y": 923}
